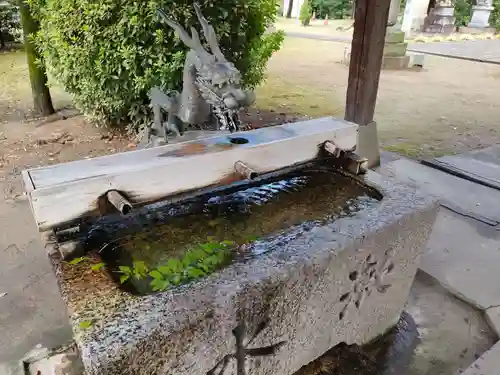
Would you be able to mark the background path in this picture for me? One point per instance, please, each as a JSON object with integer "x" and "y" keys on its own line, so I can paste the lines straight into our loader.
{"x": 487, "y": 51}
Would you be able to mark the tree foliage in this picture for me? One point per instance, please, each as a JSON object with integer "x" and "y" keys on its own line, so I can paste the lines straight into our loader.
{"x": 9, "y": 24}
{"x": 495, "y": 15}
{"x": 109, "y": 53}
{"x": 334, "y": 9}
{"x": 305, "y": 13}
{"x": 463, "y": 9}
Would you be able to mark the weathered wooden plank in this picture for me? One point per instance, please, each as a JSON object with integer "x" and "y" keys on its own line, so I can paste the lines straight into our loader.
{"x": 366, "y": 59}
{"x": 65, "y": 192}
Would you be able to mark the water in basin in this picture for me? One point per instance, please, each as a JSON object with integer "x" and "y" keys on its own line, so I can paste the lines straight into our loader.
{"x": 206, "y": 232}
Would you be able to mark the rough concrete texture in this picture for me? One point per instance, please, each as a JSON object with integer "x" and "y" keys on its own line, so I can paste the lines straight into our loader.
{"x": 453, "y": 334}
{"x": 343, "y": 282}
{"x": 493, "y": 319}
{"x": 487, "y": 364}
{"x": 463, "y": 254}
{"x": 31, "y": 308}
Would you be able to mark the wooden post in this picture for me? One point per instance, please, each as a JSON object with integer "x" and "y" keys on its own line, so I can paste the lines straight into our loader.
{"x": 367, "y": 48}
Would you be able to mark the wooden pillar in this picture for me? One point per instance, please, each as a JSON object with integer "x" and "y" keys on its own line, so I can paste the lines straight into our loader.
{"x": 367, "y": 48}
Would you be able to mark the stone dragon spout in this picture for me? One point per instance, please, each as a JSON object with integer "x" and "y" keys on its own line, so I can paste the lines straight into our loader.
{"x": 211, "y": 93}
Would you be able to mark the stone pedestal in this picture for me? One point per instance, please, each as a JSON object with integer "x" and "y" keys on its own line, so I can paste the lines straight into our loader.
{"x": 440, "y": 20}
{"x": 480, "y": 16}
{"x": 395, "y": 50}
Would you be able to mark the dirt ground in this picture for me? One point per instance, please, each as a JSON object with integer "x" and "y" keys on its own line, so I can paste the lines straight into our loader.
{"x": 449, "y": 107}
{"x": 27, "y": 141}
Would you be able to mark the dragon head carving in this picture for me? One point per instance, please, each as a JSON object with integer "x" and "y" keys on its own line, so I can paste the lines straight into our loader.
{"x": 217, "y": 80}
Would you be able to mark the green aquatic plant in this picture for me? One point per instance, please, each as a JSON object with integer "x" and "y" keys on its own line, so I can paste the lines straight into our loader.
{"x": 78, "y": 260}
{"x": 195, "y": 263}
{"x": 98, "y": 266}
{"x": 138, "y": 271}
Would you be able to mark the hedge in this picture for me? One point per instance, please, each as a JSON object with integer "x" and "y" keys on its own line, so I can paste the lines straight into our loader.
{"x": 109, "y": 53}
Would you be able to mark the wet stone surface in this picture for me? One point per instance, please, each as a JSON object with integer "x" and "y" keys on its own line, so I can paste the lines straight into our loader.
{"x": 390, "y": 353}
{"x": 235, "y": 222}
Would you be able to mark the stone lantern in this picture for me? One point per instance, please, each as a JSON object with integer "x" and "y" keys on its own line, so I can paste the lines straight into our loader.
{"x": 481, "y": 14}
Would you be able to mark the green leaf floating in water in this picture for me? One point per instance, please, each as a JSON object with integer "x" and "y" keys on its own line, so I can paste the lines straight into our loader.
{"x": 98, "y": 266}
{"x": 124, "y": 278}
{"x": 84, "y": 324}
{"x": 78, "y": 260}
{"x": 140, "y": 270}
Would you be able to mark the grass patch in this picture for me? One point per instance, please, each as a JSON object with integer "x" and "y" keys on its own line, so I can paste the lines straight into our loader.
{"x": 415, "y": 151}
{"x": 284, "y": 96}
{"x": 14, "y": 80}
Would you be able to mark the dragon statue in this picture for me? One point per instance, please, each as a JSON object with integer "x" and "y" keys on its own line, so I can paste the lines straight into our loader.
{"x": 211, "y": 92}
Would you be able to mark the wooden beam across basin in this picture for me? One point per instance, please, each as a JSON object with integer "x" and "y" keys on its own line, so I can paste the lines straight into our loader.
{"x": 62, "y": 193}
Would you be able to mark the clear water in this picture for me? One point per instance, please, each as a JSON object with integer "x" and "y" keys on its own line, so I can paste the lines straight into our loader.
{"x": 255, "y": 217}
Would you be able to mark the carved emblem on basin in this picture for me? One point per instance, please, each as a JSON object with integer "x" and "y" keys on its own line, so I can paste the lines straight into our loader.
{"x": 242, "y": 351}
{"x": 367, "y": 277}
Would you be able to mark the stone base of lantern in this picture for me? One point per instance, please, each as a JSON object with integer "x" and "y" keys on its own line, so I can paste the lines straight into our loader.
{"x": 440, "y": 20}
{"x": 480, "y": 16}
{"x": 395, "y": 50}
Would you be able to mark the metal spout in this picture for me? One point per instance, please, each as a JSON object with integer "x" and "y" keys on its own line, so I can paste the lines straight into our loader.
{"x": 245, "y": 171}
{"x": 119, "y": 202}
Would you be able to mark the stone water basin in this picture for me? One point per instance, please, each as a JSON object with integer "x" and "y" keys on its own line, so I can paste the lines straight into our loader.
{"x": 315, "y": 258}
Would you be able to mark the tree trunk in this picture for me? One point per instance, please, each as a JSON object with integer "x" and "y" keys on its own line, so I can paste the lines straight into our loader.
{"x": 2, "y": 40}
{"x": 38, "y": 76}
{"x": 290, "y": 8}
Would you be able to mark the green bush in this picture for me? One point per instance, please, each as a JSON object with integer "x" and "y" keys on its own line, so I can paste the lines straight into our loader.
{"x": 463, "y": 9}
{"x": 305, "y": 13}
{"x": 495, "y": 15}
{"x": 109, "y": 53}
{"x": 334, "y": 9}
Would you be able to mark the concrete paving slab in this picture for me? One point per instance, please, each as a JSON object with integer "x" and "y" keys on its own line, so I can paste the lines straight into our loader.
{"x": 464, "y": 256}
{"x": 493, "y": 319}
{"x": 452, "y": 333}
{"x": 487, "y": 364}
{"x": 455, "y": 193}
{"x": 486, "y": 51}
{"x": 31, "y": 309}
{"x": 482, "y": 166}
